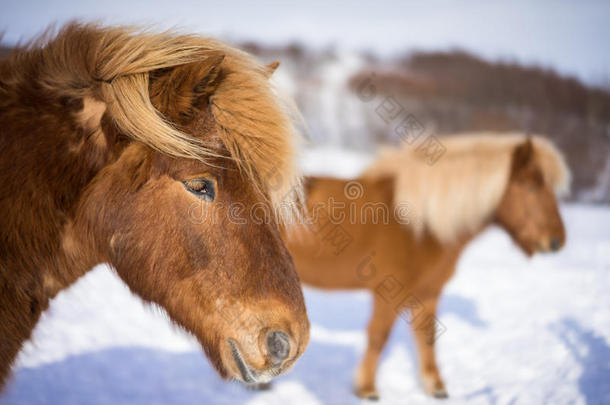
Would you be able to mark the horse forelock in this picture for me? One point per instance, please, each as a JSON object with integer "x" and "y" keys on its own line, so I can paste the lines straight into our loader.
{"x": 113, "y": 64}
{"x": 460, "y": 192}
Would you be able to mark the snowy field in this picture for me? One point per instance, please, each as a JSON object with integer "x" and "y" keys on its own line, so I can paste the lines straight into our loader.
{"x": 518, "y": 331}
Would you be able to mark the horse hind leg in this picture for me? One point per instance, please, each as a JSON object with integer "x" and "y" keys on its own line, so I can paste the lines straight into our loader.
{"x": 379, "y": 329}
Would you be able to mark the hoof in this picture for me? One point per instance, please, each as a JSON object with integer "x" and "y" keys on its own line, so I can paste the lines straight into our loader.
{"x": 435, "y": 388}
{"x": 367, "y": 393}
{"x": 260, "y": 386}
{"x": 440, "y": 394}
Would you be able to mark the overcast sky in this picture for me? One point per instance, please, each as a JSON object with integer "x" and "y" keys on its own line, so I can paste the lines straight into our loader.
{"x": 571, "y": 36}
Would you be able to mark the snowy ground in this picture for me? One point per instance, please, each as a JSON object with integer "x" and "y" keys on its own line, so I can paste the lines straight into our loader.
{"x": 517, "y": 332}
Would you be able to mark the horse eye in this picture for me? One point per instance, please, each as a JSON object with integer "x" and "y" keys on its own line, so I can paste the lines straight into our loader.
{"x": 202, "y": 188}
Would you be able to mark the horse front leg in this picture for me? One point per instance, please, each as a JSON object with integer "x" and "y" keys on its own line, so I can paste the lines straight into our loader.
{"x": 424, "y": 327}
{"x": 380, "y": 325}
{"x": 20, "y": 309}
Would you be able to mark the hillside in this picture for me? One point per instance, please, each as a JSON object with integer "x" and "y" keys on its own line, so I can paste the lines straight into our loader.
{"x": 359, "y": 101}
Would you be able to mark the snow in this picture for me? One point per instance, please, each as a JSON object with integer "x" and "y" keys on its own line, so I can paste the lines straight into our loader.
{"x": 518, "y": 331}
{"x": 334, "y": 161}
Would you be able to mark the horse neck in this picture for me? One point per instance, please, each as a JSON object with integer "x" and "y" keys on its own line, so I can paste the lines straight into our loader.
{"x": 46, "y": 161}
{"x": 457, "y": 246}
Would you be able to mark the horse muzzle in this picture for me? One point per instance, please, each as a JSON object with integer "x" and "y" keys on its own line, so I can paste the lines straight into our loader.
{"x": 275, "y": 356}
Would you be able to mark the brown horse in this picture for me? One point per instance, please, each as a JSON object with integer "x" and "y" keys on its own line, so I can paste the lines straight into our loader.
{"x": 399, "y": 230}
{"x": 135, "y": 149}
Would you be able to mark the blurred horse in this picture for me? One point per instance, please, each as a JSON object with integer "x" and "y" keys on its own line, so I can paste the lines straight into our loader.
{"x": 128, "y": 147}
{"x": 399, "y": 230}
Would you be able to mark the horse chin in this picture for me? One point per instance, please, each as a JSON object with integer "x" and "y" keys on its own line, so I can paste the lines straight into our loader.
{"x": 528, "y": 248}
{"x": 533, "y": 248}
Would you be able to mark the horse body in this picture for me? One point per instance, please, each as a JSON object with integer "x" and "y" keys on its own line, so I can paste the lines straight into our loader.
{"x": 110, "y": 141}
{"x": 386, "y": 243}
{"x": 387, "y": 259}
{"x": 389, "y": 247}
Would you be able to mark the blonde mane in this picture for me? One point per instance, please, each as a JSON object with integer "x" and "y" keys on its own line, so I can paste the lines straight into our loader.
{"x": 112, "y": 65}
{"x": 460, "y": 192}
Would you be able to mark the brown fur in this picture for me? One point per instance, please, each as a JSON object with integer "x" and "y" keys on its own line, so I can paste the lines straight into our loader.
{"x": 403, "y": 262}
{"x": 99, "y": 128}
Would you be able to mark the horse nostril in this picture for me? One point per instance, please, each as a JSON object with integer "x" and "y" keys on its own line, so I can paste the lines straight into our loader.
{"x": 555, "y": 244}
{"x": 279, "y": 346}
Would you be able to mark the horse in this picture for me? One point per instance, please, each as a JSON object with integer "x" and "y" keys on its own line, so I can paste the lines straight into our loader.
{"x": 399, "y": 229}
{"x": 144, "y": 150}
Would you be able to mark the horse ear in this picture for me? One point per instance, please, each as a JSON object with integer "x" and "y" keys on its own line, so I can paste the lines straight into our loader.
{"x": 271, "y": 68}
{"x": 177, "y": 92}
{"x": 210, "y": 74}
{"x": 523, "y": 154}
